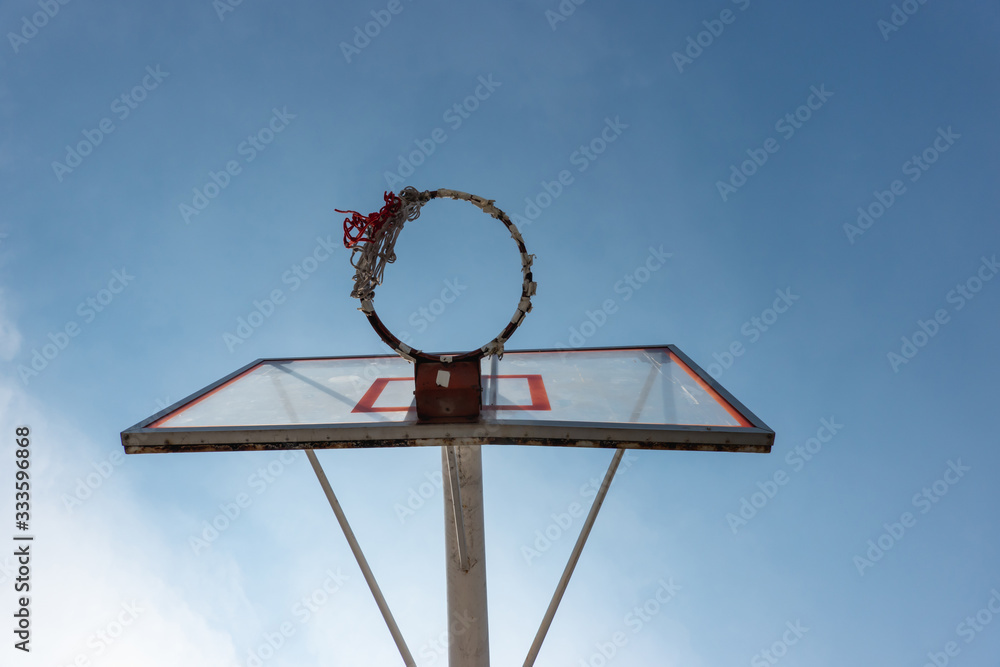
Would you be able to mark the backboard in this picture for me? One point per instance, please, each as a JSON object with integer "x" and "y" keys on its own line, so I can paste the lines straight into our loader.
{"x": 635, "y": 397}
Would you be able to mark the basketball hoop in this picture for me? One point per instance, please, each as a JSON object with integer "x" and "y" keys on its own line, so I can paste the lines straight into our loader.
{"x": 372, "y": 239}
{"x": 646, "y": 397}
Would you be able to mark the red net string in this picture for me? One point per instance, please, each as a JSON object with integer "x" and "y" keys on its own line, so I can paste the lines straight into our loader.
{"x": 363, "y": 229}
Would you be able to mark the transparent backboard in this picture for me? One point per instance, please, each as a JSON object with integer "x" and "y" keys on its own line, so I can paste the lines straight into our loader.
{"x": 642, "y": 397}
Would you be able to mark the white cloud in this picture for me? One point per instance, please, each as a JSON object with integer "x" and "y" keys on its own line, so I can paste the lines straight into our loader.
{"x": 106, "y": 589}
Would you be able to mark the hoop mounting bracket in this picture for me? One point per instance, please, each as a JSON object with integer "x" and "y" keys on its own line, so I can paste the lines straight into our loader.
{"x": 448, "y": 392}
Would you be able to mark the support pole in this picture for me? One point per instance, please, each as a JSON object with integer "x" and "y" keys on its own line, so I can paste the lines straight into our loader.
{"x": 574, "y": 557}
{"x": 397, "y": 636}
{"x": 468, "y": 623}
{"x": 581, "y": 541}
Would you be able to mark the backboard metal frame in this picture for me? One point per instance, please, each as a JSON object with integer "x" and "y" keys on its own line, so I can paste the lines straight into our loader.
{"x": 757, "y": 437}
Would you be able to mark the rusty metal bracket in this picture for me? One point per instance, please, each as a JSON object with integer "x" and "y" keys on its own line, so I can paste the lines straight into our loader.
{"x": 448, "y": 392}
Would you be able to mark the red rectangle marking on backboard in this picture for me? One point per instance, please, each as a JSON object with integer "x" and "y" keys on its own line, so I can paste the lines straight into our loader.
{"x": 536, "y": 390}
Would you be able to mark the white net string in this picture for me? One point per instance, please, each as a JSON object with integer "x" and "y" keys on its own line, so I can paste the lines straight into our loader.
{"x": 369, "y": 259}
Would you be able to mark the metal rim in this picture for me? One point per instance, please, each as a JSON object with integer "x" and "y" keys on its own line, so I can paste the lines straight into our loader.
{"x": 495, "y": 346}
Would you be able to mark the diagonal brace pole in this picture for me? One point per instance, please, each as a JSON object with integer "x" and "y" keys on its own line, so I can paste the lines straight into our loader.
{"x": 573, "y": 558}
{"x": 362, "y": 563}
{"x": 654, "y": 372}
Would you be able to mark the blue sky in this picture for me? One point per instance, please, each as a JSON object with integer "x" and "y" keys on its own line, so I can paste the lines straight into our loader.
{"x": 884, "y": 361}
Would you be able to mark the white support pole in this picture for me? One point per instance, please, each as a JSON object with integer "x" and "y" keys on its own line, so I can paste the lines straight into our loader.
{"x": 468, "y": 622}
{"x": 397, "y": 636}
